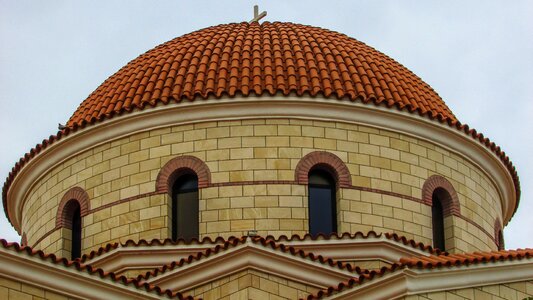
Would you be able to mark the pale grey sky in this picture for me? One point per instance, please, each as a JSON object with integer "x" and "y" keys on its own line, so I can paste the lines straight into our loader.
{"x": 478, "y": 55}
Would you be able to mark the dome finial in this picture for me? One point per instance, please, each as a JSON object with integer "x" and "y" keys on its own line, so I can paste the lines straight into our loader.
{"x": 258, "y": 16}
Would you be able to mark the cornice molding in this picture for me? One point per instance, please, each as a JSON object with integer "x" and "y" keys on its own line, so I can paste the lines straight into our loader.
{"x": 141, "y": 257}
{"x": 262, "y": 107}
{"x": 419, "y": 281}
{"x": 250, "y": 256}
{"x": 64, "y": 281}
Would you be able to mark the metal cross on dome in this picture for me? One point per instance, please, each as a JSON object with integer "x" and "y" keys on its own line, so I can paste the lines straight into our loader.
{"x": 258, "y": 16}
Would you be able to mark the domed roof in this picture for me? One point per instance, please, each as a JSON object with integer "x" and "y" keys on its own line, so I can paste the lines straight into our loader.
{"x": 258, "y": 59}
{"x": 252, "y": 59}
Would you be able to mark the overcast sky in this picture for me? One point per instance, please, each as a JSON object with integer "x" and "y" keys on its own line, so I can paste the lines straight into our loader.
{"x": 477, "y": 55}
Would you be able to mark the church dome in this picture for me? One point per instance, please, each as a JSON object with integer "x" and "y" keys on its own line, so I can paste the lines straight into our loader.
{"x": 275, "y": 129}
{"x": 260, "y": 59}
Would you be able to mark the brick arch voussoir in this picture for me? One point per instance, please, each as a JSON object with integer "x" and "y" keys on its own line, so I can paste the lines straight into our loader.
{"x": 181, "y": 164}
{"x": 434, "y": 182}
{"x": 315, "y": 158}
{"x": 78, "y": 194}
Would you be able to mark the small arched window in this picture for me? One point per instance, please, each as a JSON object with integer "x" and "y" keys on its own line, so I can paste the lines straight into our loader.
{"x": 440, "y": 194}
{"x": 437, "y": 216}
{"x": 185, "y": 207}
{"x": 72, "y": 218}
{"x": 73, "y": 206}
{"x": 322, "y": 202}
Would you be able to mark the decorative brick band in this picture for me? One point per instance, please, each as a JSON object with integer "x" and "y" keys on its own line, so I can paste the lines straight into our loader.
{"x": 76, "y": 194}
{"x": 323, "y": 159}
{"x": 451, "y": 205}
{"x": 179, "y": 166}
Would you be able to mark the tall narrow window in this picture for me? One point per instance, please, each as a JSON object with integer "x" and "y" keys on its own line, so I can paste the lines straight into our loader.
{"x": 185, "y": 207}
{"x": 322, "y": 208}
{"x": 76, "y": 230}
{"x": 72, "y": 222}
{"x": 437, "y": 215}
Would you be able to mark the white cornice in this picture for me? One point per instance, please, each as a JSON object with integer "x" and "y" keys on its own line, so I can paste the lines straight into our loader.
{"x": 146, "y": 257}
{"x": 255, "y": 257}
{"x": 369, "y": 248}
{"x": 65, "y": 281}
{"x": 415, "y": 281}
{"x": 343, "y": 249}
{"x": 262, "y": 107}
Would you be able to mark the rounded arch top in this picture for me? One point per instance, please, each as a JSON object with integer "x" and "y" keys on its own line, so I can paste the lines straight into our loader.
{"x": 323, "y": 158}
{"x": 434, "y": 182}
{"x": 76, "y": 194}
{"x": 179, "y": 166}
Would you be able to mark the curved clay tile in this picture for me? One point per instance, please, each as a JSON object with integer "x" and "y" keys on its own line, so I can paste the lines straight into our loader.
{"x": 266, "y": 58}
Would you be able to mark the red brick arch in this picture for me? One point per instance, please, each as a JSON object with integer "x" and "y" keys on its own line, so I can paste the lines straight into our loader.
{"x": 78, "y": 194}
{"x": 327, "y": 159}
{"x": 180, "y": 165}
{"x": 450, "y": 207}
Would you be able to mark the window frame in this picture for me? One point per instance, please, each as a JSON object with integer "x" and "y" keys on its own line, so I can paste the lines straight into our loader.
{"x": 332, "y": 186}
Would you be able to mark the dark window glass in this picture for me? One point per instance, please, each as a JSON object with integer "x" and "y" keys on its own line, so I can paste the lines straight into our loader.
{"x": 76, "y": 230}
{"x": 185, "y": 208}
{"x": 501, "y": 242}
{"x": 438, "y": 222}
{"x": 322, "y": 210}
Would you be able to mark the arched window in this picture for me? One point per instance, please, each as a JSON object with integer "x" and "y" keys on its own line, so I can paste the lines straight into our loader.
{"x": 440, "y": 194}
{"x": 322, "y": 199}
{"x": 73, "y": 206}
{"x": 437, "y": 216}
{"x": 185, "y": 207}
{"x": 72, "y": 219}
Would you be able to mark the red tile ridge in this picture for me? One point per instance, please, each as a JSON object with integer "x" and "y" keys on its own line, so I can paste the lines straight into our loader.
{"x": 460, "y": 259}
{"x": 278, "y": 240}
{"x": 154, "y": 242}
{"x": 357, "y": 235}
{"x": 234, "y": 242}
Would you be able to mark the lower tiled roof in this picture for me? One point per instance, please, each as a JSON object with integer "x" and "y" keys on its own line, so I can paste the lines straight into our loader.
{"x": 75, "y": 265}
{"x": 429, "y": 263}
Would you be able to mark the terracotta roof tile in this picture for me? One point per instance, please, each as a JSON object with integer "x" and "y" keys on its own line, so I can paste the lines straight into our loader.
{"x": 258, "y": 59}
{"x": 234, "y": 242}
{"x": 261, "y": 59}
{"x": 155, "y": 242}
{"x": 371, "y": 234}
{"x": 460, "y": 259}
{"x": 279, "y": 240}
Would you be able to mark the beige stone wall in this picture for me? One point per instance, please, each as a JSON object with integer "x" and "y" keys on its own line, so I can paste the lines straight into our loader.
{"x": 15, "y": 290}
{"x": 394, "y": 166}
{"x": 251, "y": 284}
{"x": 512, "y": 291}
